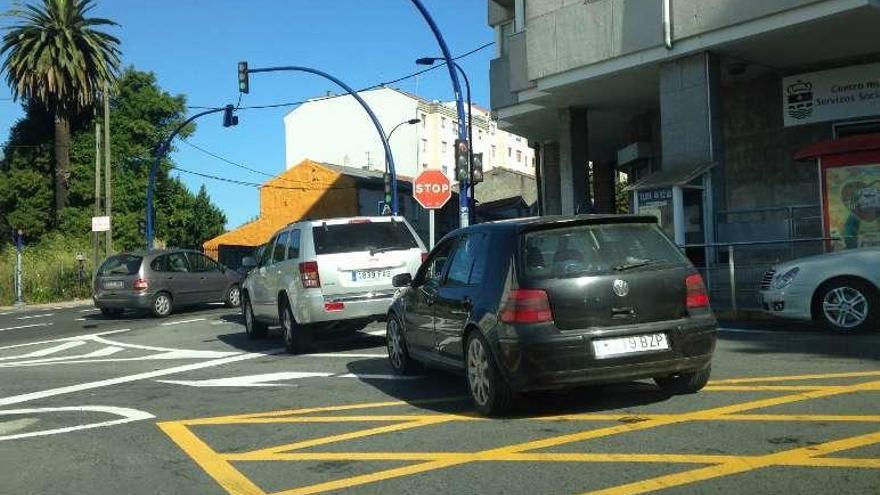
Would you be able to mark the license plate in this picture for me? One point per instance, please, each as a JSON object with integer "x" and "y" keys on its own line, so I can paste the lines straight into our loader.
{"x": 362, "y": 275}
{"x": 115, "y": 284}
{"x": 604, "y": 348}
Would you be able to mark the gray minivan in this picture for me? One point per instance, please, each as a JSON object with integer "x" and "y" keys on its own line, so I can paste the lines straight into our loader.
{"x": 161, "y": 280}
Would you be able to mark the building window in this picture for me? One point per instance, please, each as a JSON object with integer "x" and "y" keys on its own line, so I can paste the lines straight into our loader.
{"x": 493, "y": 152}
{"x": 518, "y": 139}
{"x": 509, "y": 152}
{"x": 519, "y": 156}
{"x": 445, "y": 170}
{"x": 480, "y": 134}
{"x": 443, "y": 122}
{"x": 424, "y": 166}
{"x": 533, "y": 162}
{"x": 424, "y": 121}
{"x": 443, "y": 147}
{"x": 424, "y": 145}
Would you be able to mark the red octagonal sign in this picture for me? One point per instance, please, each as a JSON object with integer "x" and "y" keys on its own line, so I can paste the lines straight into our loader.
{"x": 432, "y": 189}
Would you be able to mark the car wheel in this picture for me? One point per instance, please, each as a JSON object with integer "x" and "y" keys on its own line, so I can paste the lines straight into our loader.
{"x": 233, "y": 297}
{"x": 684, "y": 383}
{"x": 297, "y": 338}
{"x": 848, "y": 306}
{"x": 398, "y": 352}
{"x": 111, "y": 312}
{"x": 489, "y": 391}
{"x": 161, "y": 305}
{"x": 253, "y": 328}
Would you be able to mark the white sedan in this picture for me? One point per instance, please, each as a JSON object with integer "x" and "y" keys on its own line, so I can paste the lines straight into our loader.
{"x": 840, "y": 290}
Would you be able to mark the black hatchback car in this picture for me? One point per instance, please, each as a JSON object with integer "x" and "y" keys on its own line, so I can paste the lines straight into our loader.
{"x": 555, "y": 302}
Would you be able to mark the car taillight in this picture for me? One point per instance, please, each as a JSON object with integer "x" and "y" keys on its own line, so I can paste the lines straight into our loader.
{"x": 308, "y": 274}
{"x": 526, "y": 306}
{"x": 334, "y": 306}
{"x": 140, "y": 284}
{"x": 696, "y": 292}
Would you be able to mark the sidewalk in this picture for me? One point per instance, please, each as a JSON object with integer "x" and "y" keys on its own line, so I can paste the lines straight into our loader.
{"x": 58, "y": 305}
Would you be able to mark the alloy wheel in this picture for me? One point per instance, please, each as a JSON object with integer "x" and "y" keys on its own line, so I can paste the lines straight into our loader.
{"x": 234, "y": 296}
{"x": 162, "y": 304}
{"x": 845, "y": 307}
{"x": 395, "y": 346}
{"x": 477, "y": 370}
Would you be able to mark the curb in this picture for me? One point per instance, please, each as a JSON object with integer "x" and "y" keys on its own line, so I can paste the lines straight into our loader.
{"x": 60, "y": 305}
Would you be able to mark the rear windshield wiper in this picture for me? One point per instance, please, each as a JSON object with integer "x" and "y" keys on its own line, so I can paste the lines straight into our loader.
{"x": 374, "y": 251}
{"x": 636, "y": 264}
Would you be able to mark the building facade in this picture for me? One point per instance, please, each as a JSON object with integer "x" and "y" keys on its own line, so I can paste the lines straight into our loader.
{"x": 705, "y": 104}
{"x": 337, "y": 130}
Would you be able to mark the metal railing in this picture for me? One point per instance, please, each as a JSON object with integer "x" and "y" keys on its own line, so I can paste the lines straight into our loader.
{"x": 733, "y": 270}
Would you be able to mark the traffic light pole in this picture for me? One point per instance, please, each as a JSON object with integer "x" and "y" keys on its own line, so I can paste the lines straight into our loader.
{"x": 389, "y": 158}
{"x": 464, "y": 186}
{"x": 161, "y": 151}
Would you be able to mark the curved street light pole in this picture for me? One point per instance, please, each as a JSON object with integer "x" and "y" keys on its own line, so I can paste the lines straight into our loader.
{"x": 161, "y": 151}
{"x": 405, "y": 122}
{"x": 389, "y": 158}
{"x": 463, "y": 189}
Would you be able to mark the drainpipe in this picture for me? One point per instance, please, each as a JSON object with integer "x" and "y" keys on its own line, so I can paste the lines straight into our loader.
{"x": 667, "y": 23}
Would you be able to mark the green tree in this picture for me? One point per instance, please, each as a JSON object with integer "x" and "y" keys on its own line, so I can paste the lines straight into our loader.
{"x": 56, "y": 58}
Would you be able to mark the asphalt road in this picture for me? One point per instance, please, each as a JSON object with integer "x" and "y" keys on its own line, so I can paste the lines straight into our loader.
{"x": 188, "y": 405}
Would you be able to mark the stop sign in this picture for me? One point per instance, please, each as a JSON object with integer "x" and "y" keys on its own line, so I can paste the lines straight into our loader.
{"x": 432, "y": 190}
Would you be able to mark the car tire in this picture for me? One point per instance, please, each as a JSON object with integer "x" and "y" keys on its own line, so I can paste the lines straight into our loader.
{"x": 847, "y": 305}
{"x": 297, "y": 338}
{"x": 252, "y": 327}
{"x": 489, "y": 391}
{"x": 161, "y": 304}
{"x": 111, "y": 312}
{"x": 684, "y": 383}
{"x": 398, "y": 351}
{"x": 233, "y": 296}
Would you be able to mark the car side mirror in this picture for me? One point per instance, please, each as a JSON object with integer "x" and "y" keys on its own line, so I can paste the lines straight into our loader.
{"x": 402, "y": 280}
{"x": 248, "y": 262}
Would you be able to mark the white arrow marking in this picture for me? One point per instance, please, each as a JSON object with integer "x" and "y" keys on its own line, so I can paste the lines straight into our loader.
{"x": 35, "y": 316}
{"x": 65, "y": 339}
{"x": 106, "y": 351}
{"x": 26, "y": 326}
{"x": 378, "y": 377}
{"x": 249, "y": 380}
{"x": 181, "y": 322}
{"x": 45, "y": 352}
{"x": 126, "y": 416}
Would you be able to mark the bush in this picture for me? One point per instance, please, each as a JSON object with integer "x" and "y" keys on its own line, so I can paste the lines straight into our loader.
{"x": 51, "y": 271}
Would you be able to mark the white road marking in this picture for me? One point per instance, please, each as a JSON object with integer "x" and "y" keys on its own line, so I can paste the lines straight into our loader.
{"x": 106, "y": 351}
{"x": 181, "y": 322}
{"x": 7, "y": 427}
{"x": 781, "y": 333}
{"x": 223, "y": 323}
{"x": 376, "y": 333}
{"x": 6, "y": 313}
{"x": 65, "y": 339}
{"x": 367, "y": 376}
{"x": 90, "y": 310}
{"x": 347, "y": 355}
{"x": 126, "y": 416}
{"x": 47, "y": 351}
{"x": 249, "y": 380}
{"x": 30, "y": 317}
{"x": 80, "y": 319}
{"x": 53, "y": 392}
{"x": 32, "y": 325}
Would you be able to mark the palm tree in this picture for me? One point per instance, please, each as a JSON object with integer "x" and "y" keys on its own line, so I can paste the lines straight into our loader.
{"x": 56, "y": 58}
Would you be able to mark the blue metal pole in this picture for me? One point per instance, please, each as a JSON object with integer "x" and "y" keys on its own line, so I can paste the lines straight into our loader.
{"x": 463, "y": 186}
{"x": 161, "y": 151}
{"x": 389, "y": 158}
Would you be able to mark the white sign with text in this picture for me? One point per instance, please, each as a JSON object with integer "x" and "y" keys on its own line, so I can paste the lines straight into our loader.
{"x": 100, "y": 224}
{"x": 834, "y": 94}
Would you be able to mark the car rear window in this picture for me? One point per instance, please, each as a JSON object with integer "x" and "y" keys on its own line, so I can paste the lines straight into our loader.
{"x": 590, "y": 250}
{"x": 362, "y": 236}
{"x": 121, "y": 264}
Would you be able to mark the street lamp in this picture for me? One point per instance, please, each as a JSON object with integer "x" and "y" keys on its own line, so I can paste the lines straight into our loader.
{"x": 467, "y": 85}
{"x": 405, "y": 122}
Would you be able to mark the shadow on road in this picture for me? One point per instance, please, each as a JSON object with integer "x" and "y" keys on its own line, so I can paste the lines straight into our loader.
{"x": 787, "y": 338}
{"x": 342, "y": 337}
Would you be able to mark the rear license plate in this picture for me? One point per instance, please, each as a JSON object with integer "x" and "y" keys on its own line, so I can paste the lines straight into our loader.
{"x": 604, "y": 348}
{"x": 362, "y": 275}
{"x": 114, "y": 284}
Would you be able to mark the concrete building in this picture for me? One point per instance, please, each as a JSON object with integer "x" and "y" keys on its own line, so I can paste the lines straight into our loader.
{"x": 337, "y": 130}
{"x": 704, "y": 103}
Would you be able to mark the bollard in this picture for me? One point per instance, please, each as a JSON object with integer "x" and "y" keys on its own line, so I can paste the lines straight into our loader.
{"x": 732, "y": 266}
{"x": 19, "y": 271}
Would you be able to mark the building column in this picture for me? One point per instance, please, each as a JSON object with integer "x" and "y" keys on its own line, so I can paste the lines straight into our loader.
{"x": 604, "y": 187}
{"x": 573, "y": 161}
{"x": 550, "y": 179}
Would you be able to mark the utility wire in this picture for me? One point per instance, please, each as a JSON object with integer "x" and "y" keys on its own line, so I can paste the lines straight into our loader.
{"x": 262, "y": 186}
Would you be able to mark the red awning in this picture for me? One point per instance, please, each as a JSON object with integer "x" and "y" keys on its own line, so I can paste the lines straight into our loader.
{"x": 851, "y": 144}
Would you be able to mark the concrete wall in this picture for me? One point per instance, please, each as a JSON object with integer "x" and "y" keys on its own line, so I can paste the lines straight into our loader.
{"x": 760, "y": 171}
{"x": 501, "y": 184}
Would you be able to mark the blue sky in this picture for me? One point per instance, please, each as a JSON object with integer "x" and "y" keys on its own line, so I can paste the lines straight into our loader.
{"x": 193, "y": 46}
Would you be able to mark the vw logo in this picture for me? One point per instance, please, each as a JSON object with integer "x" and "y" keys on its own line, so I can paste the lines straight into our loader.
{"x": 621, "y": 288}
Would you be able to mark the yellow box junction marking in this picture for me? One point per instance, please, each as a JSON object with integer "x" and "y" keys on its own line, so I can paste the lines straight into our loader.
{"x": 219, "y": 465}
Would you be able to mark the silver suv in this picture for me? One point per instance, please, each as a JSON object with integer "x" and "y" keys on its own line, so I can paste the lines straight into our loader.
{"x": 320, "y": 271}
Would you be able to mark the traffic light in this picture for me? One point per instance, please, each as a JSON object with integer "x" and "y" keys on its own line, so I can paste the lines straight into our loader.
{"x": 243, "y": 83}
{"x": 477, "y": 168}
{"x": 387, "y": 189}
{"x": 462, "y": 174}
{"x": 229, "y": 117}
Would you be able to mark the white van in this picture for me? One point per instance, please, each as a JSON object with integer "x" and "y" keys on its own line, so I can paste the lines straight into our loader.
{"x": 319, "y": 271}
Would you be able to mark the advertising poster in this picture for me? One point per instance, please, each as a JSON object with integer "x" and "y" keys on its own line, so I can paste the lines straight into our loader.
{"x": 852, "y": 205}
{"x": 658, "y": 202}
